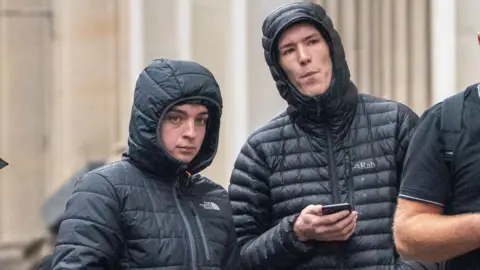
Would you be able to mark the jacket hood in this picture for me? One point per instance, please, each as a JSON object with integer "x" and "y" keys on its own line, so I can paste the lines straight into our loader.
{"x": 161, "y": 85}
{"x": 341, "y": 96}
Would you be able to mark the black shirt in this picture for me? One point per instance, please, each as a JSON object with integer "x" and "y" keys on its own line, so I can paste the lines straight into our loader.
{"x": 427, "y": 178}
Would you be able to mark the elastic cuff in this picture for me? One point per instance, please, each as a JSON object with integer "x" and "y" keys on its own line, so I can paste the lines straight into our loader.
{"x": 290, "y": 239}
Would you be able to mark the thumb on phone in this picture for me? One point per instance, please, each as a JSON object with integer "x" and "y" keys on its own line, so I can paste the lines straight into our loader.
{"x": 313, "y": 209}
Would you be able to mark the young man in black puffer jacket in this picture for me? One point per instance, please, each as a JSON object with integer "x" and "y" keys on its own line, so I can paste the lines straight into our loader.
{"x": 152, "y": 210}
{"x": 332, "y": 145}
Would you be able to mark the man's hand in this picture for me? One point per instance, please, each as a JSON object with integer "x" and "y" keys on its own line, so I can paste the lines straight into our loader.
{"x": 312, "y": 225}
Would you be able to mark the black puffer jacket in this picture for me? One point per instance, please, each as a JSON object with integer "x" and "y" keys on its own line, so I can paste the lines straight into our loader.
{"x": 145, "y": 212}
{"x": 337, "y": 147}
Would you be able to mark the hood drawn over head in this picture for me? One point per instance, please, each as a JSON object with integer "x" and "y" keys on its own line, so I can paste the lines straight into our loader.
{"x": 163, "y": 84}
{"x": 342, "y": 94}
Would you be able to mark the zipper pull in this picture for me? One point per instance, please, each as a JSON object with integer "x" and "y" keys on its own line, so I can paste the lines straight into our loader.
{"x": 188, "y": 179}
{"x": 177, "y": 186}
{"x": 192, "y": 207}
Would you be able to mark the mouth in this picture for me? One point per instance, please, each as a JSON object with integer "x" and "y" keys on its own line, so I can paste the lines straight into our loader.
{"x": 186, "y": 148}
{"x": 308, "y": 74}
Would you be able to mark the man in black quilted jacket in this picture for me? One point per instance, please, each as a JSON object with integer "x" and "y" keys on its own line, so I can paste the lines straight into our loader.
{"x": 152, "y": 210}
{"x": 332, "y": 145}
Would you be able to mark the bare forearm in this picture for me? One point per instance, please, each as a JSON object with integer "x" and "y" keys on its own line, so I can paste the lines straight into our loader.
{"x": 433, "y": 237}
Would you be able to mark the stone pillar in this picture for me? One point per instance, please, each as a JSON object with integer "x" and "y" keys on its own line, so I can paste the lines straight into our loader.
{"x": 25, "y": 39}
{"x": 455, "y": 50}
{"x": 89, "y": 76}
{"x": 386, "y": 44}
{"x": 264, "y": 101}
{"x": 160, "y": 30}
{"x": 443, "y": 48}
{"x": 210, "y": 44}
{"x": 467, "y": 49}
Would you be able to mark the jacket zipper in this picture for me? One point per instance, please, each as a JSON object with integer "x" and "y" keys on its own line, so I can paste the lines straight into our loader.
{"x": 349, "y": 178}
{"x": 193, "y": 251}
{"x": 332, "y": 169}
{"x": 202, "y": 233}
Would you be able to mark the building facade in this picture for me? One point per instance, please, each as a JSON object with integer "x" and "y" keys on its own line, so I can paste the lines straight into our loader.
{"x": 68, "y": 68}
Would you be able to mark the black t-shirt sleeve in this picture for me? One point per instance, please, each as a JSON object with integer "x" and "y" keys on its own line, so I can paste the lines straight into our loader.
{"x": 425, "y": 175}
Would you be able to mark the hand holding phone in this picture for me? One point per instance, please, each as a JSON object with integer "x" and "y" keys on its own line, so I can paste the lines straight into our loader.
{"x": 334, "y": 225}
{"x": 335, "y": 208}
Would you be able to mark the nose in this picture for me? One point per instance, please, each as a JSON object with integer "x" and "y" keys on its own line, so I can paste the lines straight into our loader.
{"x": 190, "y": 131}
{"x": 303, "y": 55}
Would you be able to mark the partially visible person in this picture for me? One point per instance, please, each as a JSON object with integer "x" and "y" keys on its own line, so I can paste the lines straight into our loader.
{"x": 3, "y": 164}
{"x": 331, "y": 145}
{"x": 153, "y": 210}
{"x": 438, "y": 213}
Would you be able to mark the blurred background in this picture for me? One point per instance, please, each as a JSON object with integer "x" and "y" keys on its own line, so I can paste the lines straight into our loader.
{"x": 68, "y": 68}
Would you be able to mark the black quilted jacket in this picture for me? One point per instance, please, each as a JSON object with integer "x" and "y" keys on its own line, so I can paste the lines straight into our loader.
{"x": 339, "y": 147}
{"x": 145, "y": 212}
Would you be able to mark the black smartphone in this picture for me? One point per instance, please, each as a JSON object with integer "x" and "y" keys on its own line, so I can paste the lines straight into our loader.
{"x": 335, "y": 208}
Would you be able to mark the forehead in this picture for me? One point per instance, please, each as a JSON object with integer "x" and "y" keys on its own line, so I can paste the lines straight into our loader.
{"x": 190, "y": 108}
{"x": 298, "y": 31}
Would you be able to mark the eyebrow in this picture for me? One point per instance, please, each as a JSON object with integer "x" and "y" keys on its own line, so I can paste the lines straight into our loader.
{"x": 306, "y": 38}
{"x": 185, "y": 113}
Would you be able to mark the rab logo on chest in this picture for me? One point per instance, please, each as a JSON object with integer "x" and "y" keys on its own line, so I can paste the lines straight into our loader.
{"x": 360, "y": 166}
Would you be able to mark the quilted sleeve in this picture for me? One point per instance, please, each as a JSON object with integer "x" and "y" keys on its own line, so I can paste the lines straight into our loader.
{"x": 263, "y": 246}
{"x": 89, "y": 236}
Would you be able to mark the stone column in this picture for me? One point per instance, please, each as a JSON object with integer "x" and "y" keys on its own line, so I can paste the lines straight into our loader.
{"x": 264, "y": 101}
{"x": 210, "y": 44}
{"x": 89, "y": 75}
{"x": 467, "y": 49}
{"x": 25, "y": 51}
{"x": 443, "y": 48}
{"x": 387, "y": 47}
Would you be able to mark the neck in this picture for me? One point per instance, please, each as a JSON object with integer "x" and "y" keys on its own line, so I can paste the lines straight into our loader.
{"x": 334, "y": 108}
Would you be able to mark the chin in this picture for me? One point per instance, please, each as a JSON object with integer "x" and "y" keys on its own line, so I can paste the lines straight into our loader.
{"x": 313, "y": 92}
{"x": 185, "y": 159}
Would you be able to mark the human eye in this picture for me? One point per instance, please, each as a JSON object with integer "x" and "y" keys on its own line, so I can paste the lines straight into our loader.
{"x": 313, "y": 41}
{"x": 288, "y": 51}
{"x": 201, "y": 120}
{"x": 174, "y": 118}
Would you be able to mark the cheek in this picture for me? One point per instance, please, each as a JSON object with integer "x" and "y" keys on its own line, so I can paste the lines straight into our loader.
{"x": 201, "y": 131}
{"x": 169, "y": 137}
{"x": 291, "y": 76}
{"x": 326, "y": 59}
{"x": 288, "y": 67}
{"x": 328, "y": 65}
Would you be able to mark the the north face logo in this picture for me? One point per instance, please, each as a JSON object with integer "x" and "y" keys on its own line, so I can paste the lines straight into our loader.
{"x": 210, "y": 206}
{"x": 364, "y": 165}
